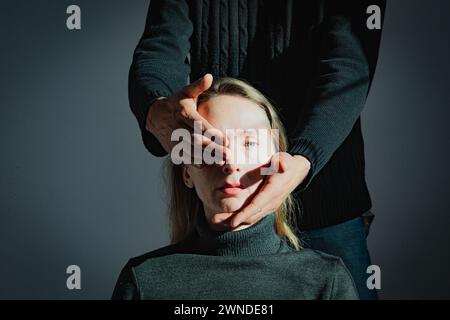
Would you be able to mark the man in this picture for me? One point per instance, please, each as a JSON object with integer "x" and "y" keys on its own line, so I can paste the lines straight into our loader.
{"x": 315, "y": 59}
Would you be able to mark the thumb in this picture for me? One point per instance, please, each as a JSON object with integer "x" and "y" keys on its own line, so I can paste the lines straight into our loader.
{"x": 194, "y": 89}
{"x": 279, "y": 162}
{"x": 283, "y": 165}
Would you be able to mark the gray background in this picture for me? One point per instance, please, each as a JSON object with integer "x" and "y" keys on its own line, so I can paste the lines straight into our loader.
{"x": 78, "y": 187}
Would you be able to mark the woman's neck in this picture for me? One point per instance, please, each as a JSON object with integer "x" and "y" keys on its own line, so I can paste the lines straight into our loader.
{"x": 258, "y": 239}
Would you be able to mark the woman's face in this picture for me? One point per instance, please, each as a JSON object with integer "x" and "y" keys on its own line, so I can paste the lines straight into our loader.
{"x": 229, "y": 187}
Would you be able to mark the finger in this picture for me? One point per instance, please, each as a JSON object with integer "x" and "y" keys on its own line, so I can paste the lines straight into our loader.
{"x": 194, "y": 89}
{"x": 198, "y": 125}
{"x": 196, "y": 157}
{"x": 217, "y": 136}
{"x": 251, "y": 177}
{"x": 201, "y": 141}
{"x": 276, "y": 164}
{"x": 188, "y": 157}
{"x": 255, "y": 218}
{"x": 191, "y": 117}
{"x": 252, "y": 210}
{"x": 222, "y": 218}
{"x": 261, "y": 203}
{"x": 282, "y": 164}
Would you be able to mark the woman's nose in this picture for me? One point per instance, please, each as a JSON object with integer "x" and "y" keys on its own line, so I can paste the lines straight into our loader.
{"x": 229, "y": 167}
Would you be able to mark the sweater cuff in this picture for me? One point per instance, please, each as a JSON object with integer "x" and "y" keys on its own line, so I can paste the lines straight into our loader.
{"x": 315, "y": 155}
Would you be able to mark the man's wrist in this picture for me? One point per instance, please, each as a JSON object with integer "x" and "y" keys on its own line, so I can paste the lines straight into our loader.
{"x": 304, "y": 174}
{"x": 150, "y": 113}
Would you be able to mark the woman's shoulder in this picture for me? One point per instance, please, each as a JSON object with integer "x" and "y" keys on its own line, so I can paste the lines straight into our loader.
{"x": 309, "y": 254}
{"x": 332, "y": 270}
{"x": 317, "y": 255}
{"x": 159, "y": 254}
{"x": 137, "y": 268}
{"x": 315, "y": 259}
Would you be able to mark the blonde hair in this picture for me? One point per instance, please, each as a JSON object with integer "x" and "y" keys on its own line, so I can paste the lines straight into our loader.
{"x": 184, "y": 203}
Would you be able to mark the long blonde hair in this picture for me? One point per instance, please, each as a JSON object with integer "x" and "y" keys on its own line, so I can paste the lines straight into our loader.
{"x": 184, "y": 203}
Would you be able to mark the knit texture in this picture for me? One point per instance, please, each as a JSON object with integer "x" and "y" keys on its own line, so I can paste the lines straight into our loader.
{"x": 253, "y": 263}
{"x": 314, "y": 59}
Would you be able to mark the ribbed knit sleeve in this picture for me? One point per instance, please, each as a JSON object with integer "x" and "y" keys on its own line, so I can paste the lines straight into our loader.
{"x": 160, "y": 64}
{"x": 336, "y": 97}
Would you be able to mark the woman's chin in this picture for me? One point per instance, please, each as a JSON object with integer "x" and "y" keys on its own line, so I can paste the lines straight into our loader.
{"x": 231, "y": 204}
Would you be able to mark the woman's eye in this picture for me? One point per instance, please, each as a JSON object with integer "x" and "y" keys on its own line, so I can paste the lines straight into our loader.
{"x": 250, "y": 143}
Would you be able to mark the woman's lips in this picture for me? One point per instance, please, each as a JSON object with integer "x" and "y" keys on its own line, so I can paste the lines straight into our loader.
{"x": 231, "y": 189}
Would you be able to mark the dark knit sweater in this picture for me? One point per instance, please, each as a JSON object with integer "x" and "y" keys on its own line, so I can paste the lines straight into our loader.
{"x": 314, "y": 59}
{"x": 253, "y": 263}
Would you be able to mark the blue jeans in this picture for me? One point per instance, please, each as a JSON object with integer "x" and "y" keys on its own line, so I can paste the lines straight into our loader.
{"x": 348, "y": 241}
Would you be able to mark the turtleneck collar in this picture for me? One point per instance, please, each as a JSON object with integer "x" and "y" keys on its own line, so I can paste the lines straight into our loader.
{"x": 258, "y": 239}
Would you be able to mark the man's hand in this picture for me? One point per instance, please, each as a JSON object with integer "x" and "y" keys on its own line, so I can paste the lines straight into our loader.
{"x": 275, "y": 188}
{"x": 180, "y": 111}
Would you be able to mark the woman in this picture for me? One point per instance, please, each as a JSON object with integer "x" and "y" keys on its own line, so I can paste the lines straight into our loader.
{"x": 207, "y": 259}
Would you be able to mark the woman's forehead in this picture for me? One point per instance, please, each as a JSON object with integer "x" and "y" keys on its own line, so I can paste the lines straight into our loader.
{"x": 234, "y": 112}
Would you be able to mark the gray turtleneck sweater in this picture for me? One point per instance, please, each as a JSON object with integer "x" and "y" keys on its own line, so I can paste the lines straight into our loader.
{"x": 253, "y": 263}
